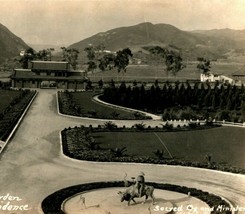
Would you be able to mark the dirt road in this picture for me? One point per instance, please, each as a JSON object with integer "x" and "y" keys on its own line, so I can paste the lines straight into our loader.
{"x": 32, "y": 166}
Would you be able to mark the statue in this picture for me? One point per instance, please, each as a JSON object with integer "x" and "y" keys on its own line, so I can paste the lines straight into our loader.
{"x": 137, "y": 189}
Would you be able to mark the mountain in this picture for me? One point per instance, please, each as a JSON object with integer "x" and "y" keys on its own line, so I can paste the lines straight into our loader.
{"x": 236, "y": 35}
{"x": 191, "y": 43}
{"x": 10, "y": 44}
{"x": 38, "y": 47}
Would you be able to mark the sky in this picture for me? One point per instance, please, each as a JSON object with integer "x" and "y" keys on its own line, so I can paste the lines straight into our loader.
{"x": 64, "y": 22}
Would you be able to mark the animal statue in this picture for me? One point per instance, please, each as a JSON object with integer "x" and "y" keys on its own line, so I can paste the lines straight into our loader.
{"x": 132, "y": 192}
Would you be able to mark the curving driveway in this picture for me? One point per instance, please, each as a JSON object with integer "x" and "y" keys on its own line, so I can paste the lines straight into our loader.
{"x": 32, "y": 167}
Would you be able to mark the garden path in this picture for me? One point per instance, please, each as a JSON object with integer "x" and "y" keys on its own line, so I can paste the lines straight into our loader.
{"x": 33, "y": 167}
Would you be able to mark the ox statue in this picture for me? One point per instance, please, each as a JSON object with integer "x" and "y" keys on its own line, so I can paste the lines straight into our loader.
{"x": 132, "y": 192}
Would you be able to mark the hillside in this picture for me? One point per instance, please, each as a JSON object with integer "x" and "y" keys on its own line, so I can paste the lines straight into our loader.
{"x": 236, "y": 35}
{"x": 10, "y": 44}
{"x": 191, "y": 44}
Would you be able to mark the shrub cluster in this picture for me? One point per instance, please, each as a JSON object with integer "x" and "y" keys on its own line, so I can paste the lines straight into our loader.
{"x": 53, "y": 203}
{"x": 13, "y": 112}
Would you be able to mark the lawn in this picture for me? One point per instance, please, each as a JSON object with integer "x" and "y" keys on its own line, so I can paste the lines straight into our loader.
{"x": 225, "y": 144}
{"x": 6, "y": 97}
{"x": 149, "y": 73}
{"x": 89, "y": 108}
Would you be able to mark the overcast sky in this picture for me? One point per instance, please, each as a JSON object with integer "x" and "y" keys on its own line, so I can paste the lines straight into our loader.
{"x": 69, "y": 21}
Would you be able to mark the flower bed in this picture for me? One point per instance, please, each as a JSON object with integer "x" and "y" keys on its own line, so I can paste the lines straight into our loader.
{"x": 81, "y": 143}
{"x": 53, "y": 203}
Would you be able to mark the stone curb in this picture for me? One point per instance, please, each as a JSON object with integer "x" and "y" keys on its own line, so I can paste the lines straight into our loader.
{"x": 153, "y": 116}
{"x": 94, "y": 119}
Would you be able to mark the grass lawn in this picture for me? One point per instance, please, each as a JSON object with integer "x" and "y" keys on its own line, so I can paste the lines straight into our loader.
{"x": 150, "y": 73}
{"x": 6, "y": 97}
{"x": 225, "y": 144}
{"x": 89, "y": 108}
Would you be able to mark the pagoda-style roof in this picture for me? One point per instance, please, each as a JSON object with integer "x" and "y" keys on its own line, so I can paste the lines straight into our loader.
{"x": 50, "y": 65}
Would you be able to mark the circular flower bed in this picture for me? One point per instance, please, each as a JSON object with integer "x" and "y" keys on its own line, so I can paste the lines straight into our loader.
{"x": 53, "y": 203}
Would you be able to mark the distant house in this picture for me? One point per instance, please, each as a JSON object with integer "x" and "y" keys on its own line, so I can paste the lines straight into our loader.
{"x": 48, "y": 74}
{"x": 210, "y": 77}
{"x": 239, "y": 76}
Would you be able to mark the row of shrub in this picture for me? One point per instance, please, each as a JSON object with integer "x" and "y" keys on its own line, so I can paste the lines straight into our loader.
{"x": 168, "y": 126}
{"x": 78, "y": 143}
{"x": 13, "y": 112}
{"x": 198, "y": 102}
{"x": 53, "y": 203}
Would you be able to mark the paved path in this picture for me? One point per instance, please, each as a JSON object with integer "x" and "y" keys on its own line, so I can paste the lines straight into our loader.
{"x": 32, "y": 167}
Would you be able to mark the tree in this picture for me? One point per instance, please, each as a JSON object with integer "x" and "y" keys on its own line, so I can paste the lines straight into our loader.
{"x": 172, "y": 59}
{"x": 159, "y": 154}
{"x": 121, "y": 60}
{"x": 173, "y": 62}
{"x": 204, "y": 65}
{"x": 71, "y": 56}
{"x": 99, "y": 58}
{"x": 45, "y": 54}
{"x": 106, "y": 61}
{"x": 118, "y": 152}
{"x": 110, "y": 125}
{"x": 100, "y": 84}
{"x": 28, "y": 56}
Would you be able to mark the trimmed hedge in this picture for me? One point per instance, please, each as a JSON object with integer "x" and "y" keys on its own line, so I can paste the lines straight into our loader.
{"x": 52, "y": 204}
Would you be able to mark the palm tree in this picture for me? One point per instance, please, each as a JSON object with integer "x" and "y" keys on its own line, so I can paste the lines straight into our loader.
{"x": 140, "y": 126}
{"x": 118, "y": 152}
{"x": 110, "y": 125}
{"x": 159, "y": 154}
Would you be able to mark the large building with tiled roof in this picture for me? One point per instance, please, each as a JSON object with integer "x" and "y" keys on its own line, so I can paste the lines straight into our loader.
{"x": 48, "y": 74}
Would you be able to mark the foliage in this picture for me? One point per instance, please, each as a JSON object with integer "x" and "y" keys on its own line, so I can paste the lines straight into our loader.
{"x": 110, "y": 125}
{"x": 99, "y": 58}
{"x": 45, "y": 54}
{"x": 172, "y": 60}
{"x": 81, "y": 104}
{"x": 182, "y": 100}
{"x": 121, "y": 60}
{"x": 204, "y": 64}
{"x": 119, "y": 152}
{"x": 139, "y": 126}
{"x": 75, "y": 146}
{"x": 28, "y": 56}
{"x": 159, "y": 154}
{"x": 71, "y": 56}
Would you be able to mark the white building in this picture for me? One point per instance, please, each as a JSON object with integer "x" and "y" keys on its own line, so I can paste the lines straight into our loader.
{"x": 209, "y": 77}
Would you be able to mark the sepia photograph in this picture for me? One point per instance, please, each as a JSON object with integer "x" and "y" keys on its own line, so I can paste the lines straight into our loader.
{"x": 122, "y": 107}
